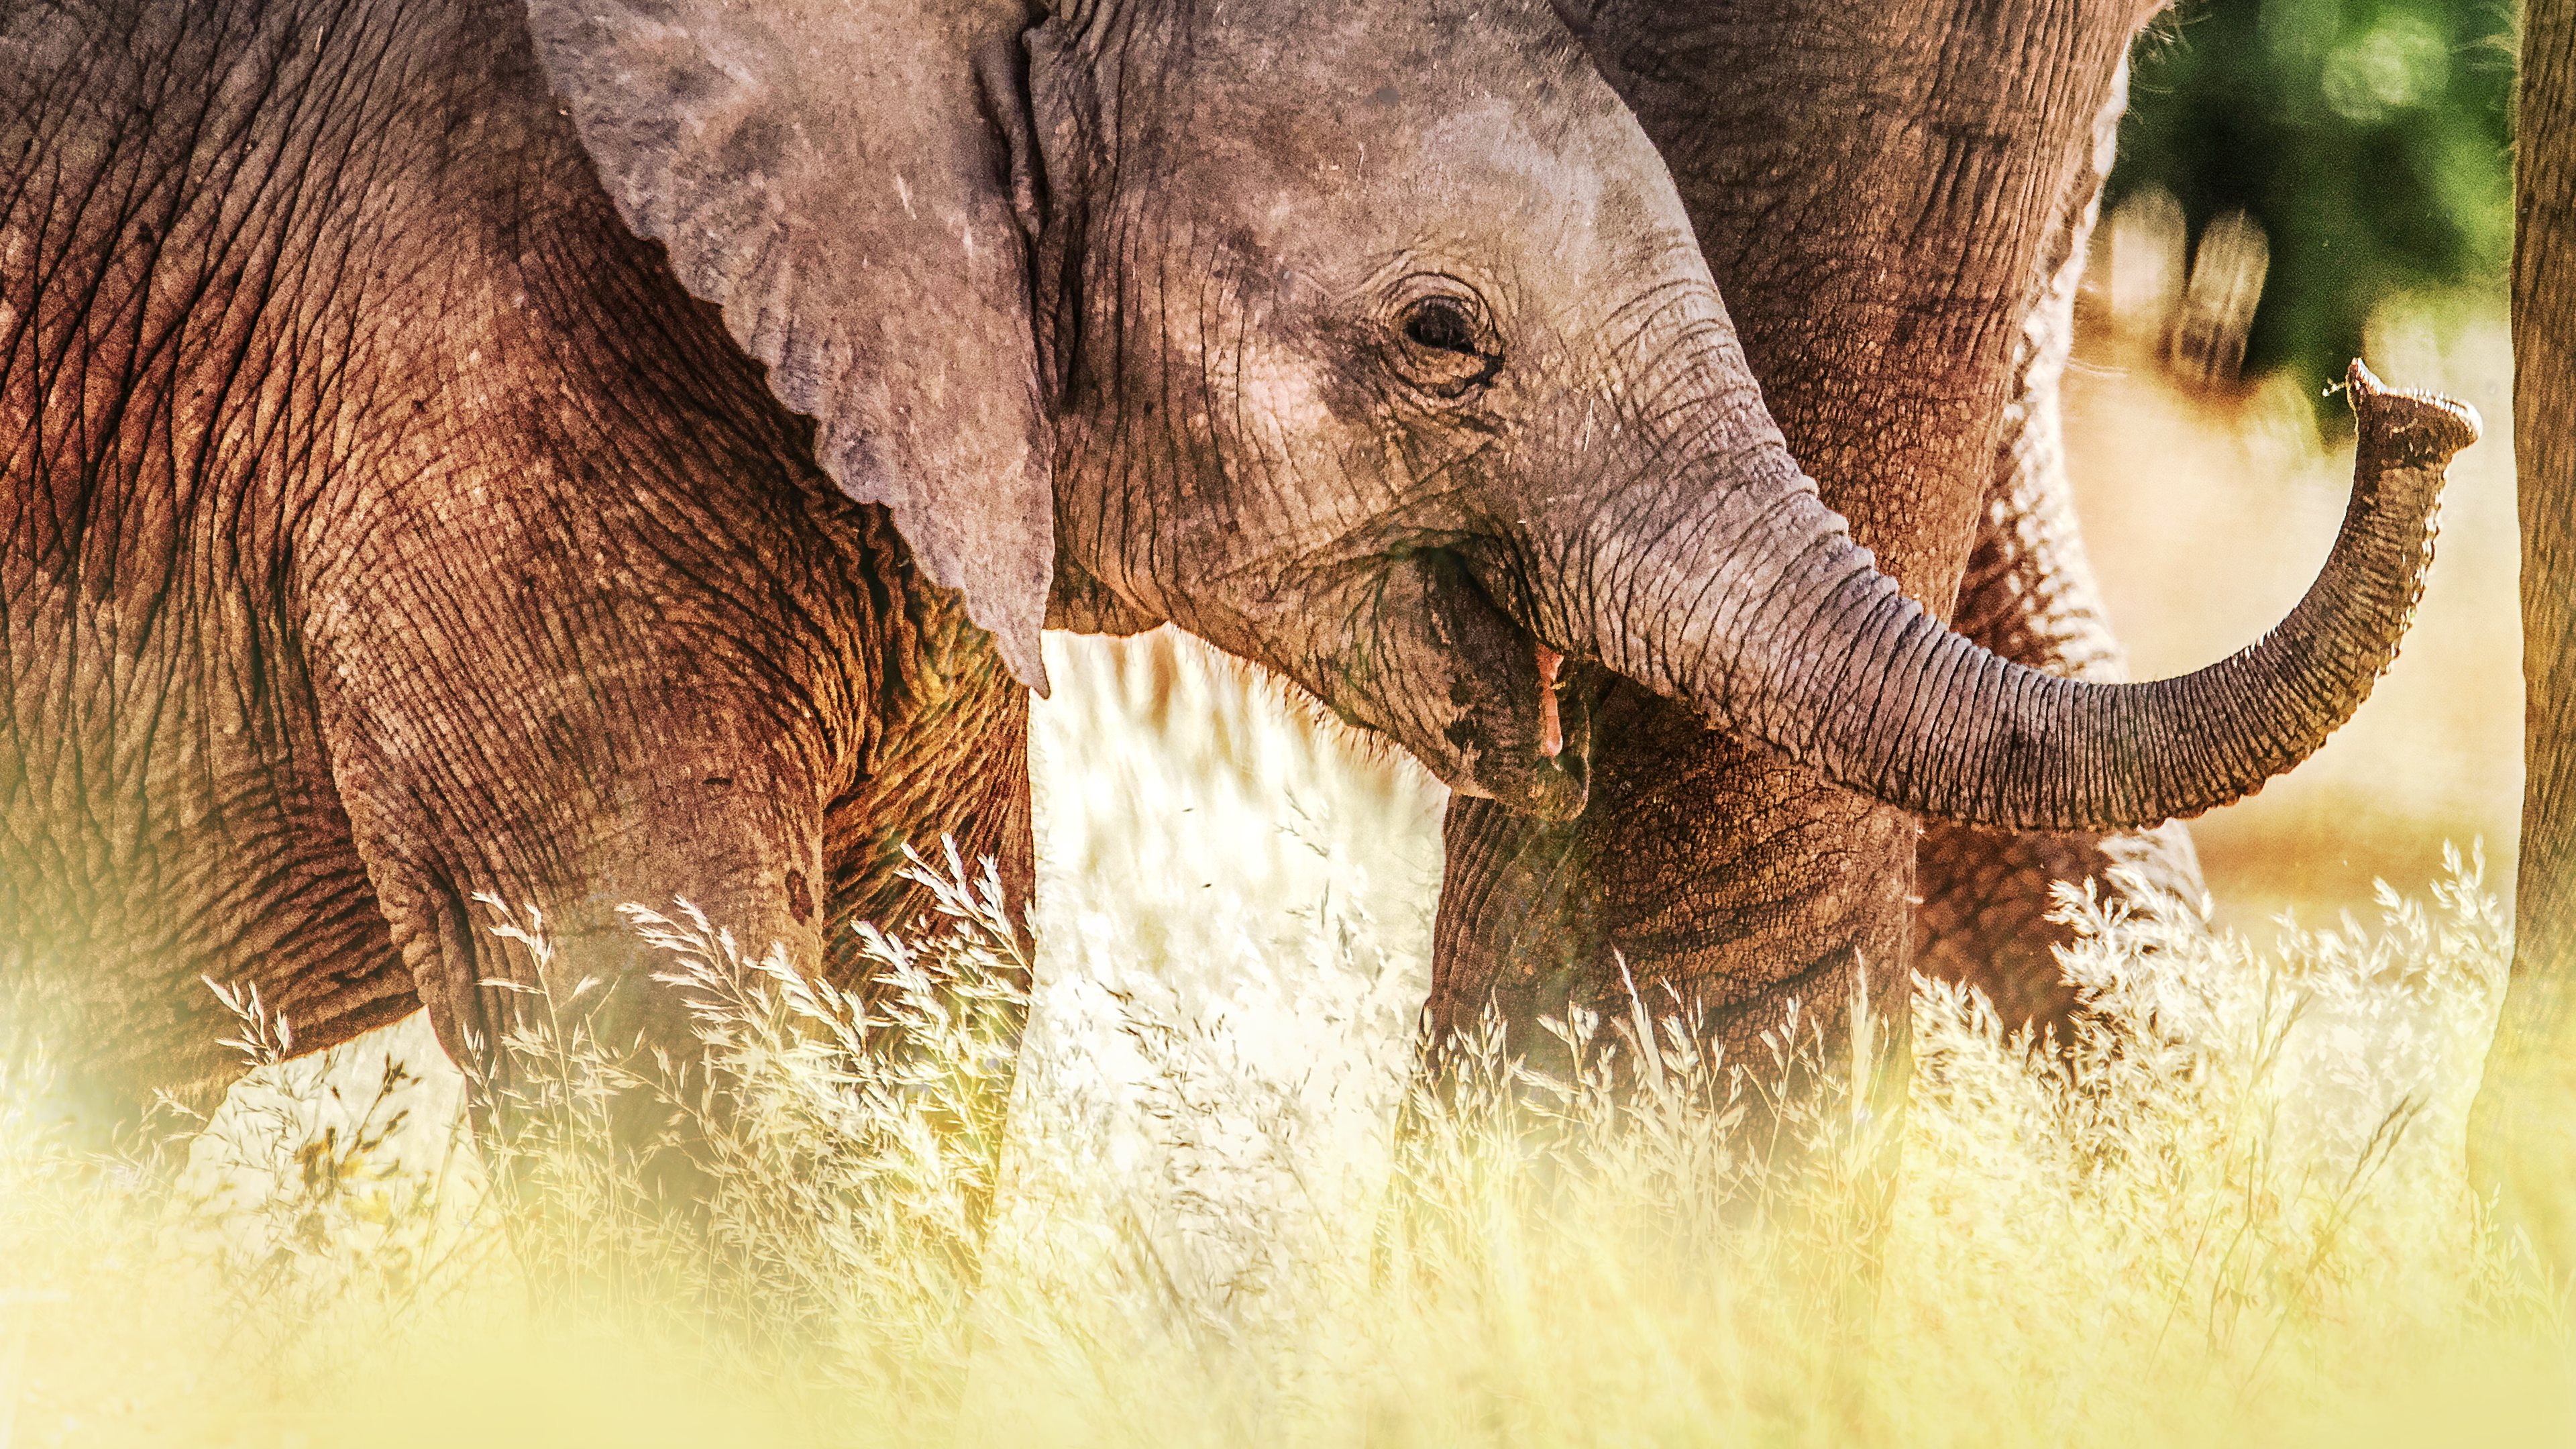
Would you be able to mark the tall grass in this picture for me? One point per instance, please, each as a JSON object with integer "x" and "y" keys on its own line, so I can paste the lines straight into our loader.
{"x": 2230, "y": 1209}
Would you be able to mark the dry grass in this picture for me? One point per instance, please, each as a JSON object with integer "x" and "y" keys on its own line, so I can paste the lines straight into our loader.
{"x": 2231, "y": 1212}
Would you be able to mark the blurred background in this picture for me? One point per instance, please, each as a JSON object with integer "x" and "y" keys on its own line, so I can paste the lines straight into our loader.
{"x": 2301, "y": 182}
{"x": 2363, "y": 147}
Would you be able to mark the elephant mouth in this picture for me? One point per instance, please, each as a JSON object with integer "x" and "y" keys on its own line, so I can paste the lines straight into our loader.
{"x": 1524, "y": 740}
{"x": 1492, "y": 710}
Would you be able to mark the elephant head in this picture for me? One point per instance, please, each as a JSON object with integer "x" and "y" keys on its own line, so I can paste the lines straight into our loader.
{"x": 1370, "y": 343}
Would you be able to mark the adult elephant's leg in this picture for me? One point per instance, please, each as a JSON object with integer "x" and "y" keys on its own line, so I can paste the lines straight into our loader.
{"x": 1729, "y": 881}
{"x": 953, "y": 766}
{"x": 2522, "y": 1130}
{"x": 2029, "y": 594}
{"x": 577, "y": 753}
{"x": 586, "y": 624}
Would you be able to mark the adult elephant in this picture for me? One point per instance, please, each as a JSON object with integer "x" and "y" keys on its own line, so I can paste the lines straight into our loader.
{"x": 599, "y": 452}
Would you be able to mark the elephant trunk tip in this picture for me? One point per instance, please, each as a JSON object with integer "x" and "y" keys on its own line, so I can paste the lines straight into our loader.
{"x": 2415, "y": 425}
{"x": 1826, "y": 659}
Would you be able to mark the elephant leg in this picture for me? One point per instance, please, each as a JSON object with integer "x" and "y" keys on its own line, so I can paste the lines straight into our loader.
{"x": 1795, "y": 895}
{"x": 953, "y": 765}
{"x": 658, "y": 804}
{"x": 588, "y": 627}
{"x": 221, "y": 856}
{"x": 778, "y": 806}
{"x": 1983, "y": 920}
{"x": 2522, "y": 1129}
{"x": 2029, "y": 594}
{"x": 1739, "y": 893}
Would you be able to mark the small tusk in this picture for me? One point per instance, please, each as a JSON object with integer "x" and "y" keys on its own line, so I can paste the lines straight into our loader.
{"x": 1551, "y": 731}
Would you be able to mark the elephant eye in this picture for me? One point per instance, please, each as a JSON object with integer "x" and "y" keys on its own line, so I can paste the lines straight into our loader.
{"x": 1449, "y": 349}
{"x": 1442, "y": 325}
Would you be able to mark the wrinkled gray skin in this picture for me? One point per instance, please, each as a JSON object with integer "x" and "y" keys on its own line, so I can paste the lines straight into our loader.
{"x": 388, "y": 524}
{"x": 1914, "y": 369}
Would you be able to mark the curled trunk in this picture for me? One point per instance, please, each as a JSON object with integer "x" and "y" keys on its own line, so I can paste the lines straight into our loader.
{"x": 1792, "y": 636}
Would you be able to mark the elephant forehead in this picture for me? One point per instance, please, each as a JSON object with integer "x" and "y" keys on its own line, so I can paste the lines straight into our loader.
{"x": 1480, "y": 171}
{"x": 1328, "y": 191}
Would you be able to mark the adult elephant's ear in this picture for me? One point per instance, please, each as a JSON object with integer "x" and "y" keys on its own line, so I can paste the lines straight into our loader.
{"x": 841, "y": 179}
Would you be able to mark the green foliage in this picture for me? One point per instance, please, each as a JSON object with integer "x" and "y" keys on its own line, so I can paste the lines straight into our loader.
{"x": 2370, "y": 139}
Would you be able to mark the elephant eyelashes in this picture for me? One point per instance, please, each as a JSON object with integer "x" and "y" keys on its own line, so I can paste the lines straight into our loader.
{"x": 1449, "y": 348}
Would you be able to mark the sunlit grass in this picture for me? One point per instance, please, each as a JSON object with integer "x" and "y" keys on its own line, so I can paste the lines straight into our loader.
{"x": 2230, "y": 1210}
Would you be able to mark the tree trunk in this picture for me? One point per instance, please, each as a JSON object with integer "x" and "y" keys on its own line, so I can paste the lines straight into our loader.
{"x": 2522, "y": 1134}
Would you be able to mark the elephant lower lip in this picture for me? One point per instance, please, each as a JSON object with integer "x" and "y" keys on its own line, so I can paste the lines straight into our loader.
{"x": 1551, "y": 729}
{"x": 1553, "y": 790}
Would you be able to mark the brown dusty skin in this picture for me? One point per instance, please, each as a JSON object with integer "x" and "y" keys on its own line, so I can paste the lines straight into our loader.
{"x": 373, "y": 547}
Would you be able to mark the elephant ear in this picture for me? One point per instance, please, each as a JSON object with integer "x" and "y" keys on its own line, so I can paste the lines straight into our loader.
{"x": 848, "y": 183}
